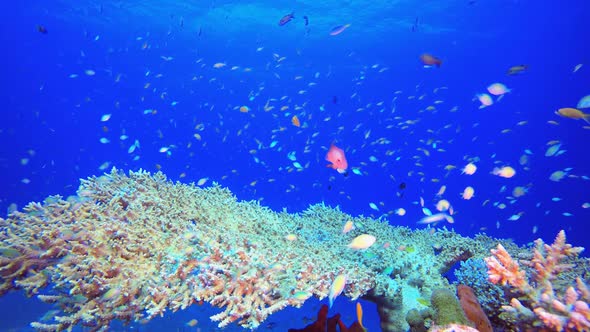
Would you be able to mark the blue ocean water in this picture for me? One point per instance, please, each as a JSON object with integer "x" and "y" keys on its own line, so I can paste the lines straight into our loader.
{"x": 109, "y": 77}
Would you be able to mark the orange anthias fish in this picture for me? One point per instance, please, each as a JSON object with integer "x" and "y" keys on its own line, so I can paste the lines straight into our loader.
{"x": 336, "y": 156}
{"x": 359, "y": 314}
{"x": 430, "y": 60}
{"x": 573, "y": 113}
{"x": 286, "y": 19}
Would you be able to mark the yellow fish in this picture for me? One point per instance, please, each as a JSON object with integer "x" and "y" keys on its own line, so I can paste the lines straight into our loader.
{"x": 443, "y": 205}
{"x": 363, "y": 241}
{"x": 468, "y": 193}
{"x": 505, "y": 172}
{"x": 450, "y": 167}
{"x": 359, "y": 314}
{"x": 336, "y": 288}
{"x": 349, "y": 226}
{"x": 572, "y": 113}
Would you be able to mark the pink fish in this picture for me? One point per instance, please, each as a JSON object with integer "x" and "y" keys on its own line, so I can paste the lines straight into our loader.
{"x": 338, "y": 30}
{"x": 498, "y": 89}
{"x": 485, "y": 100}
{"x": 336, "y": 156}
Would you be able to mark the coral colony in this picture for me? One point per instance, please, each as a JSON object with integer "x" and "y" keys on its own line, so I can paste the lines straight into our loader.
{"x": 131, "y": 247}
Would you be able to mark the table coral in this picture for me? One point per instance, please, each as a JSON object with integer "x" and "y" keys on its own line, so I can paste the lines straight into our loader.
{"x": 131, "y": 247}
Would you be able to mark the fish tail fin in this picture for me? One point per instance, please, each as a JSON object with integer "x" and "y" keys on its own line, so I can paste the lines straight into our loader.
{"x": 586, "y": 118}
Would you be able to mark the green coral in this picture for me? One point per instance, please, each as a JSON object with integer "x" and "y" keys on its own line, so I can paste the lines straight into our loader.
{"x": 417, "y": 319}
{"x": 447, "y": 309}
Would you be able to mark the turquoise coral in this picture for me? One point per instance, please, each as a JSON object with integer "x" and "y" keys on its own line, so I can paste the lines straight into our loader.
{"x": 130, "y": 247}
{"x": 474, "y": 273}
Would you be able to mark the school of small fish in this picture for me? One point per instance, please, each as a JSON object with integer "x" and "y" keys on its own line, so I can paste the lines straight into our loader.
{"x": 290, "y": 131}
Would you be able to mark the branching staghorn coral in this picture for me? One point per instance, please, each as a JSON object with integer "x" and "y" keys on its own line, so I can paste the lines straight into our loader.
{"x": 131, "y": 247}
{"x": 543, "y": 305}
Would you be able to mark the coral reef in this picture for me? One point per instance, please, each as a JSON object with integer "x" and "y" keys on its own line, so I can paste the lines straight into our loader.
{"x": 131, "y": 247}
{"x": 474, "y": 273}
{"x": 417, "y": 319}
{"x": 540, "y": 303}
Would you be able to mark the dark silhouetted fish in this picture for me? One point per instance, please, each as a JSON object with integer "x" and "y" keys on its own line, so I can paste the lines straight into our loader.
{"x": 415, "y": 25}
{"x": 515, "y": 70}
{"x": 402, "y": 187}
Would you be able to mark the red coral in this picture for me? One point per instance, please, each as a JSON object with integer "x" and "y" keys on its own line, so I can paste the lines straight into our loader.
{"x": 329, "y": 324}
